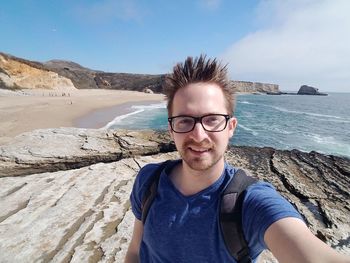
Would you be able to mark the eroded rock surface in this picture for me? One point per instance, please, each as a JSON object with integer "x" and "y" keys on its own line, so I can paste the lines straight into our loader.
{"x": 81, "y": 215}
{"x": 68, "y": 148}
{"x": 64, "y": 193}
{"x": 316, "y": 184}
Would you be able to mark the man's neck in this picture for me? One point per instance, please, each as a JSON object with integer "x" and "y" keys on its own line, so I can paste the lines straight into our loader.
{"x": 189, "y": 181}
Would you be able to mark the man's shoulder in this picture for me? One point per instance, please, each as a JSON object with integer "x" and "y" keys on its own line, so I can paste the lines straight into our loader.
{"x": 257, "y": 190}
{"x": 148, "y": 168}
{"x": 261, "y": 187}
{"x": 142, "y": 183}
{"x": 148, "y": 171}
{"x": 231, "y": 171}
{"x": 230, "y": 168}
{"x": 262, "y": 197}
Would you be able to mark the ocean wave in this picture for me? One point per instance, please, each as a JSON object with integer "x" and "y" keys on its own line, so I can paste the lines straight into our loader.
{"x": 137, "y": 109}
{"x": 321, "y": 139}
{"x": 281, "y": 131}
{"x": 246, "y": 102}
{"x": 281, "y": 109}
{"x": 329, "y": 144}
{"x": 118, "y": 119}
{"x": 340, "y": 120}
{"x": 161, "y": 105}
{"x": 305, "y": 113}
{"x": 248, "y": 129}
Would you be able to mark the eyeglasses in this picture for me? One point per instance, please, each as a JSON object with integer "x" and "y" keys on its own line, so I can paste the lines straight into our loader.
{"x": 210, "y": 122}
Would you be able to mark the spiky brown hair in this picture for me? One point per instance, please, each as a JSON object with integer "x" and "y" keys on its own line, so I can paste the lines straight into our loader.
{"x": 199, "y": 69}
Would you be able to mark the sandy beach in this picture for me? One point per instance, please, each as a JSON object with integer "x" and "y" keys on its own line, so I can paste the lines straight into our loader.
{"x": 36, "y": 109}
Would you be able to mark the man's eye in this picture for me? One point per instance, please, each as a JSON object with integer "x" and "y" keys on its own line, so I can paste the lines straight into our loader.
{"x": 212, "y": 119}
{"x": 185, "y": 121}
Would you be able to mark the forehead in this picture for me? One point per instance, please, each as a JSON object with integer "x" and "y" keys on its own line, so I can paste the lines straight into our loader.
{"x": 199, "y": 99}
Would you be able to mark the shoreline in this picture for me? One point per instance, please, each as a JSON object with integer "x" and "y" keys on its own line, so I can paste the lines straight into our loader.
{"x": 29, "y": 110}
{"x": 100, "y": 118}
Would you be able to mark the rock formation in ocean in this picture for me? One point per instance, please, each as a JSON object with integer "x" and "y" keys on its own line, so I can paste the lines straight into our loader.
{"x": 58, "y": 73}
{"x": 64, "y": 193}
{"x": 308, "y": 90}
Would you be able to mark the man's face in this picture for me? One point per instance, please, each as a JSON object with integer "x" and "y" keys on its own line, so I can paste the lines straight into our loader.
{"x": 200, "y": 149}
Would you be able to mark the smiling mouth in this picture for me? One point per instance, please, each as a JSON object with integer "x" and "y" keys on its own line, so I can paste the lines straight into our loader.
{"x": 198, "y": 150}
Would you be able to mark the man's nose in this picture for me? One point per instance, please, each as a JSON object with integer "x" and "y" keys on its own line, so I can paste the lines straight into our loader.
{"x": 198, "y": 133}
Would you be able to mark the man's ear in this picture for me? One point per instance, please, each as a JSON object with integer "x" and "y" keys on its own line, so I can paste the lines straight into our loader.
{"x": 232, "y": 124}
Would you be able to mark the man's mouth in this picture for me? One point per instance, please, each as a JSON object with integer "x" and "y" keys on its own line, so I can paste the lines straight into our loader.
{"x": 198, "y": 149}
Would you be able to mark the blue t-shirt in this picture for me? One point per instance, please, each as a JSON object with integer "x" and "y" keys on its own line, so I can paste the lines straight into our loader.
{"x": 182, "y": 228}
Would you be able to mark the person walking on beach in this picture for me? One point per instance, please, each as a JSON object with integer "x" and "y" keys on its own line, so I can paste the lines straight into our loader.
{"x": 182, "y": 224}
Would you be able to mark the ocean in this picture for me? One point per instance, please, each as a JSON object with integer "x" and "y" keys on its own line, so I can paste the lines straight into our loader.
{"x": 286, "y": 122}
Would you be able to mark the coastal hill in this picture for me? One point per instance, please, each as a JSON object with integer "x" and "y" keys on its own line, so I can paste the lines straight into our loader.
{"x": 65, "y": 192}
{"x": 18, "y": 73}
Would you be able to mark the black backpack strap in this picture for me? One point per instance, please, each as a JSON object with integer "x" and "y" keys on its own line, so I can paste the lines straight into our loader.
{"x": 231, "y": 216}
{"x": 151, "y": 191}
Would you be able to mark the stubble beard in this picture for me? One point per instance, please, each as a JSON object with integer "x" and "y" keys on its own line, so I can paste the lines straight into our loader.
{"x": 200, "y": 163}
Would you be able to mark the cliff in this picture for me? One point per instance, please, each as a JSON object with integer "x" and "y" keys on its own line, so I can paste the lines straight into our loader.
{"x": 64, "y": 193}
{"x": 254, "y": 87}
{"x": 17, "y": 73}
{"x": 84, "y": 78}
{"x": 20, "y": 74}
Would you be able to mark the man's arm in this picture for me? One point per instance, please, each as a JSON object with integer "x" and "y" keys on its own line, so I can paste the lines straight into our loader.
{"x": 132, "y": 255}
{"x": 290, "y": 240}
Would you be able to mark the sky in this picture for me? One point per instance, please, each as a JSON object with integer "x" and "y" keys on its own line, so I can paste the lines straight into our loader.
{"x": 285, "y": 42}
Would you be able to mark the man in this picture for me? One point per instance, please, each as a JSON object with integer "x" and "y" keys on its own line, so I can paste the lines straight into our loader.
{"x": 182, "y": 223}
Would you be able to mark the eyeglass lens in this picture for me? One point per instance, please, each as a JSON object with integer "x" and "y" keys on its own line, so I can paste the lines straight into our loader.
{"x": 210, "y": 123}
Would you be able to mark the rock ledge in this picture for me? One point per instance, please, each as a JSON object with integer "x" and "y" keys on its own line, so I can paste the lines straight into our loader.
{"x": 64, "y": 193}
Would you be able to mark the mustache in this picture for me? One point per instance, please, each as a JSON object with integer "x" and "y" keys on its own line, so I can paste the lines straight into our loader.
{"x": 203, "y": 144}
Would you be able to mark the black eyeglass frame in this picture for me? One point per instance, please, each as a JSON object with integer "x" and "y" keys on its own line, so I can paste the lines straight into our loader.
{"x": 199, "y": 119}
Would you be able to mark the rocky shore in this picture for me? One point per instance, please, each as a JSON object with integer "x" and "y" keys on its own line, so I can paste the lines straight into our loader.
{"x": 64, "y": 193}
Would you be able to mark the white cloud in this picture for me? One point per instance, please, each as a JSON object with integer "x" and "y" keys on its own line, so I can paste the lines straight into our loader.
{"x": 300, "y": 42}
